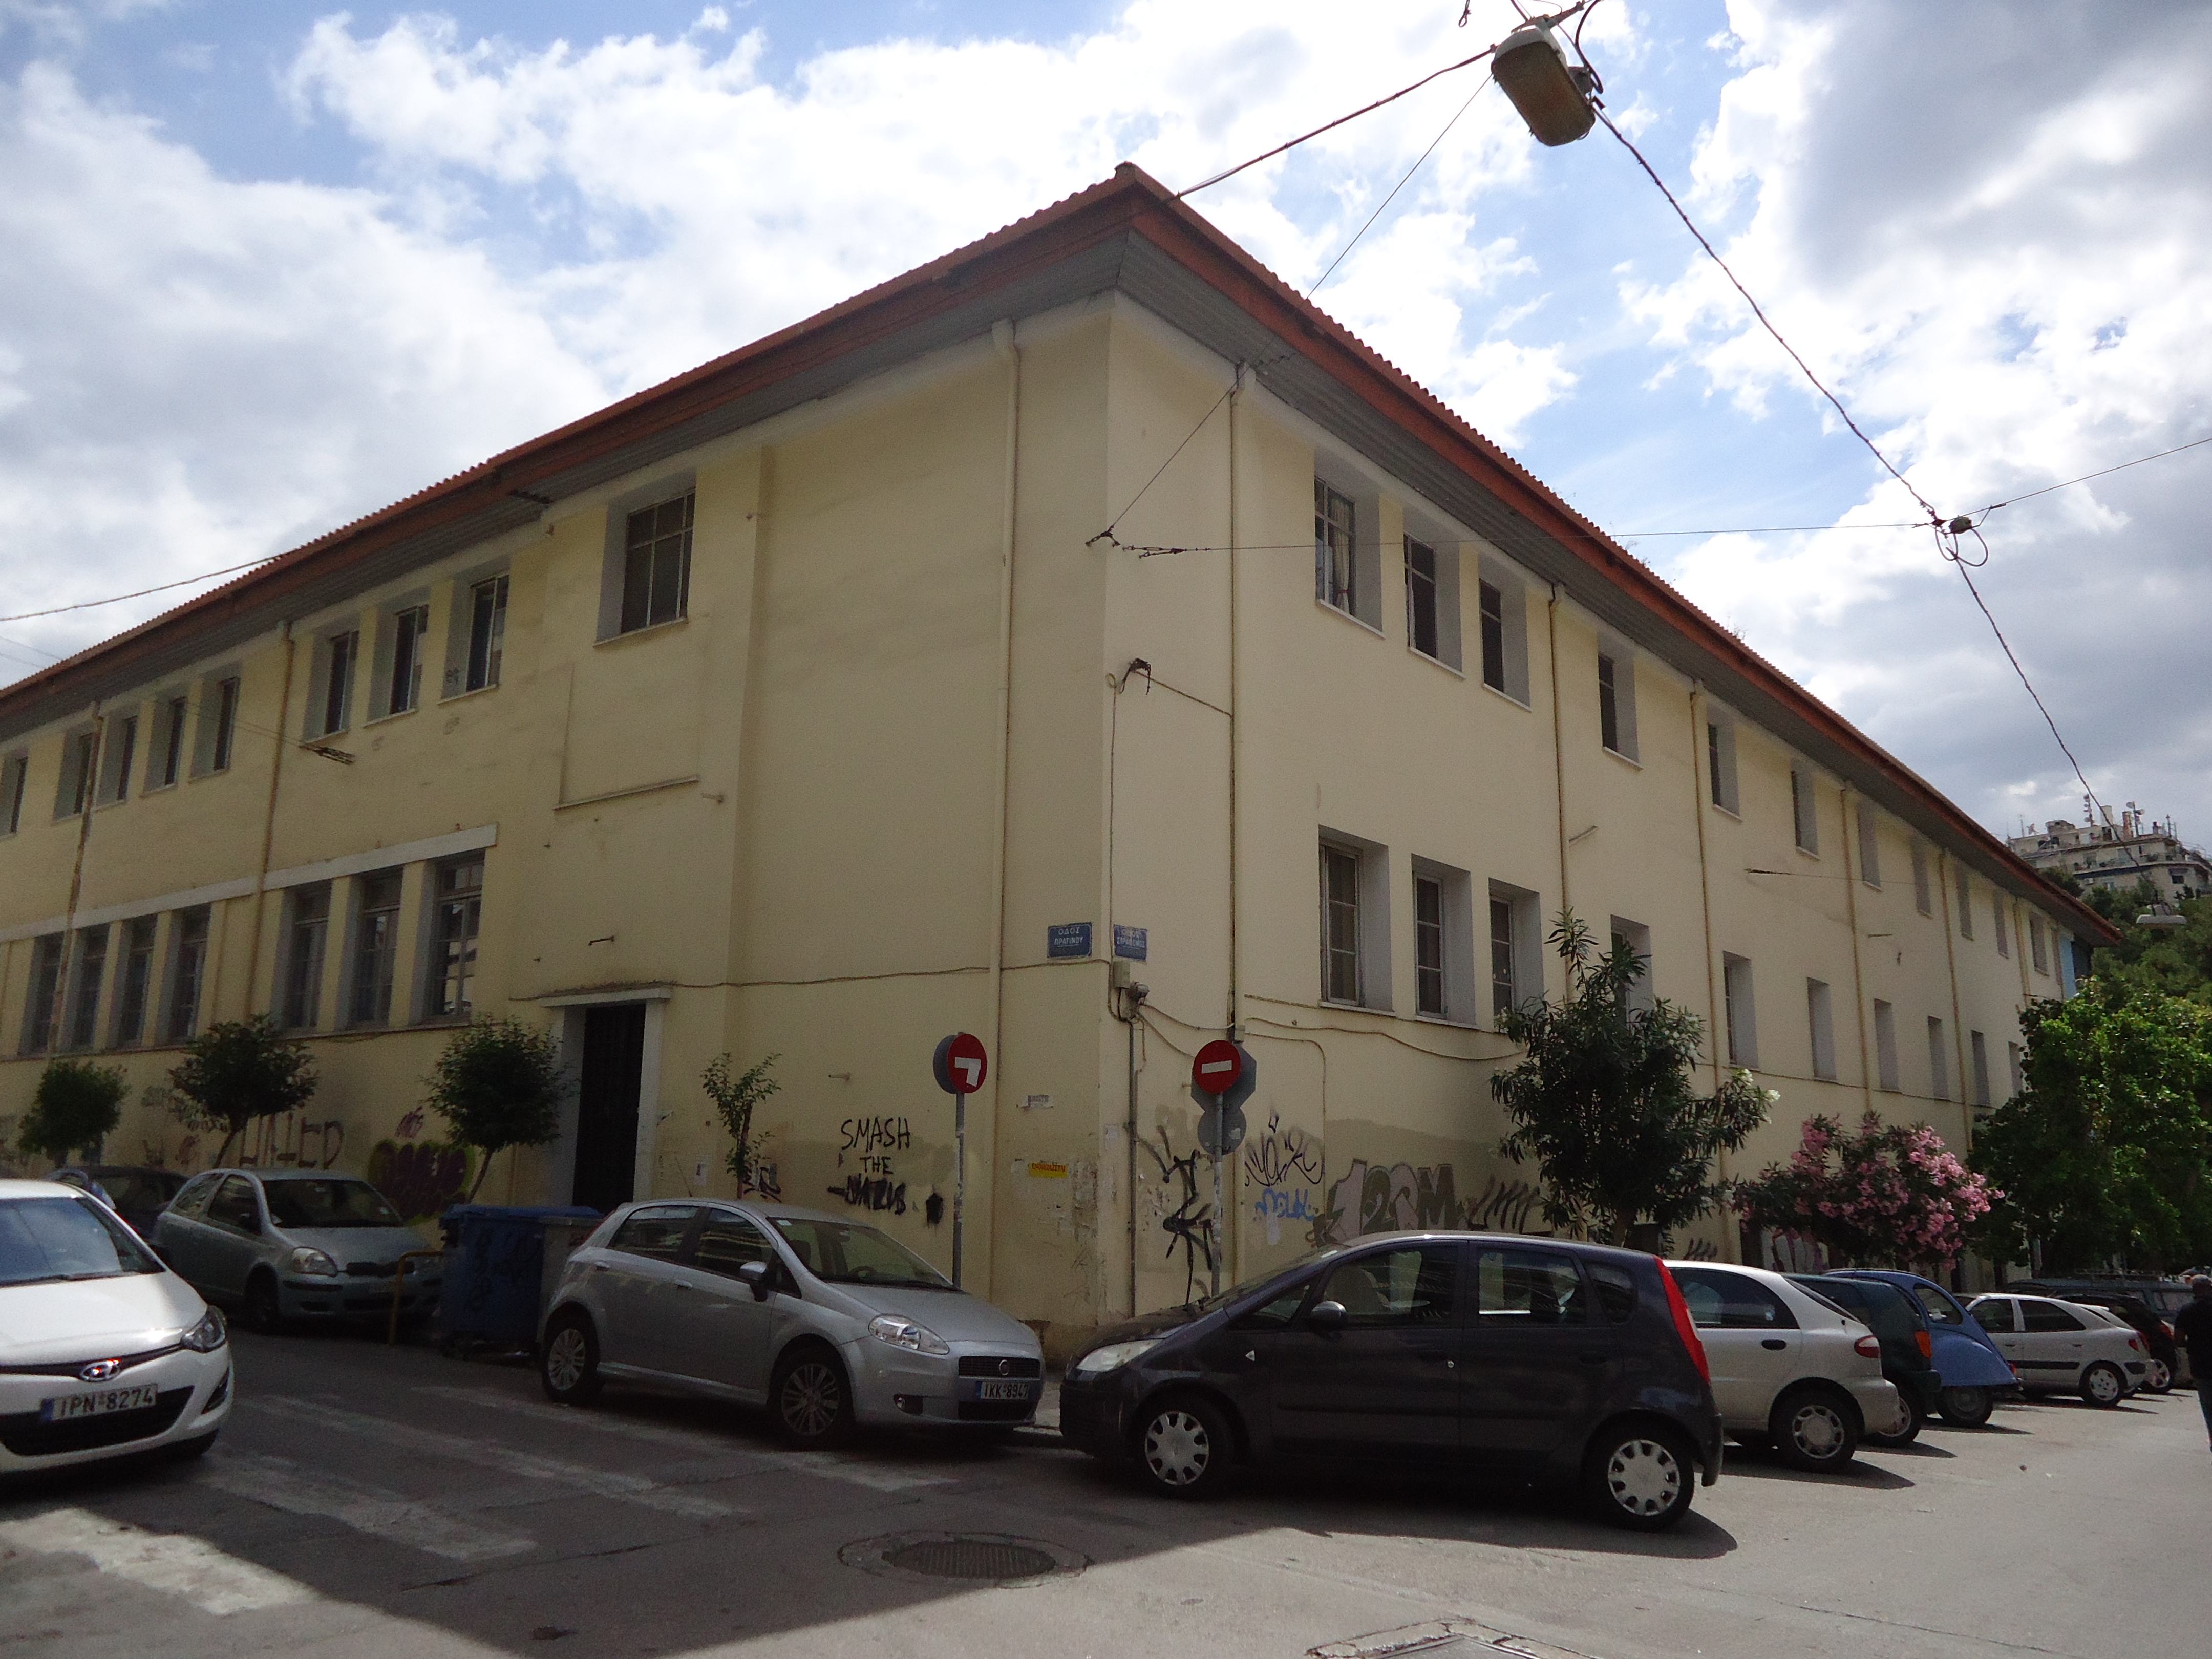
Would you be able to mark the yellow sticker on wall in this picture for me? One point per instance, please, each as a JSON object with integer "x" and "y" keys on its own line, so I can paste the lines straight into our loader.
{"x": 1049, "y": 1172}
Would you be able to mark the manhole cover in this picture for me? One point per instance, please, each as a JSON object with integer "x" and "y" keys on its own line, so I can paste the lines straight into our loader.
{"x": 971, "y": 1557}
{"x": 968, "y": 1557}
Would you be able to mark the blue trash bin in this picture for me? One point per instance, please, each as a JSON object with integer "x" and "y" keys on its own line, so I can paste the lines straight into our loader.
{"x": 494, "y": 1258}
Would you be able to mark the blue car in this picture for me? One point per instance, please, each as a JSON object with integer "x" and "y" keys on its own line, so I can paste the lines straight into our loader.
{"x": 1975, "y": 1374}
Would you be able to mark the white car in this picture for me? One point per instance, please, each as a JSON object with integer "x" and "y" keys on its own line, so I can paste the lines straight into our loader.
{"x": 1790, "y": 1368}
{"x": 2064, "y": 1347}
{"x": 104, "y": 1352}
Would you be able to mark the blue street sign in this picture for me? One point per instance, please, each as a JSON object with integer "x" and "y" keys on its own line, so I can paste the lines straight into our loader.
{"x": 1067, "y": 938}
{"x": 1130, "y": 942}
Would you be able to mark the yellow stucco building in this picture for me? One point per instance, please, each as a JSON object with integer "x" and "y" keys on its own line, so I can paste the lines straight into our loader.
{"x": 800, "y": 706}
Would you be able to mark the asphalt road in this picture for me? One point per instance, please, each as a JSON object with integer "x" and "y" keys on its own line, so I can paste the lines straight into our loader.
{"x": 391, "y": 1503}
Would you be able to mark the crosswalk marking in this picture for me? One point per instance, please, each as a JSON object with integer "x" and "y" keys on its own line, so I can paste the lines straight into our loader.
{"x": 829, "y": 1465}
{"x": 190, "y": 1567}
{"x": 283, "y": 1484}
{"x": 408, "y": 1436}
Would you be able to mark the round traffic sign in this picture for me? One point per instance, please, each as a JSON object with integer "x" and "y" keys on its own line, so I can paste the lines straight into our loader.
{"x": 1216, "y": 1067}
{"x": 960, "y": 1064}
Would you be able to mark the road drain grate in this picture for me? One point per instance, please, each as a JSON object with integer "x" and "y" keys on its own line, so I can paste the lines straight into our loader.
{"x": 968, "y": 1558}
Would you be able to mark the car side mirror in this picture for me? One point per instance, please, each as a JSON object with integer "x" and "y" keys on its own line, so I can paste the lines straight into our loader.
{"x": 1326, "y": 1317}
{"x": 758, "y": 1276}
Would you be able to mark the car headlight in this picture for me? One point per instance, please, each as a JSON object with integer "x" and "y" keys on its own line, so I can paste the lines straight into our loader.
{"x": 208, "y": 1335}
{"x": 1112, "y": 1357}
{"x": 305, "y": 1260}
{"x": 905, "y": 1334}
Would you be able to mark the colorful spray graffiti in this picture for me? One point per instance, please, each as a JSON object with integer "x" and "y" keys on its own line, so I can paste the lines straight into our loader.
{"x": 1285, "y": 1168}
{"x": 421, "y": 1179}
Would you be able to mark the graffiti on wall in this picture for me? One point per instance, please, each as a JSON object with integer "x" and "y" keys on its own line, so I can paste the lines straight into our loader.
{"x": 1285, "y": 1168}
{"x": 868, "y": 1142}
{"x": 1375, "y": 1199}
{"x": 1189, "y": 1224}
{"x": 286, "y": 1141}
{"x": 1503, "y": 1206}
{"x": 421, "y": 1179}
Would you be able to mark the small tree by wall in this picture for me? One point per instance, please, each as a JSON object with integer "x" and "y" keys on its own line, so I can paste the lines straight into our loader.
{"x": 499, "y": 1083}
{"x": 1602, "y": 1101}
{"x": 75, "y": 1107}
{"x": 735, "y": 1100}
{"x": 1892, "y": 1195}
{"x": 238, "y": 1070}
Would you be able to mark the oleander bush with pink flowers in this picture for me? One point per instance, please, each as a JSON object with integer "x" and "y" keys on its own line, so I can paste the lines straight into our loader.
{"x": 1890, "y": 1195}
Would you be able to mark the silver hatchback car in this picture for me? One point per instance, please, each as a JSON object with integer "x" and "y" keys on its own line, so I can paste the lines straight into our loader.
{"x": 829, "y": 1323}
{"x": 294, "y": 1244}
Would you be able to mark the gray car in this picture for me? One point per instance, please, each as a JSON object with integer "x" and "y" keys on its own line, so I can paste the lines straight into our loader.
{"x": 829, "y": 1323}
{"x": 294, "y": 1244}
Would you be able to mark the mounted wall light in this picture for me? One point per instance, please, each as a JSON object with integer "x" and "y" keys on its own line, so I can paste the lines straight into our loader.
{"x": 1553, "y": 96}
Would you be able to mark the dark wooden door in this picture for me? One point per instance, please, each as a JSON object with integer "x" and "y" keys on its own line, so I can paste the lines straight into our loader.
{"x": 606, "y": 1106}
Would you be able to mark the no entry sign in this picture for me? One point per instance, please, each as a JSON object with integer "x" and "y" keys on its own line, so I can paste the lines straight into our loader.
{"x": 961, "y": 1065}
{"x": 1216, "y": 1067}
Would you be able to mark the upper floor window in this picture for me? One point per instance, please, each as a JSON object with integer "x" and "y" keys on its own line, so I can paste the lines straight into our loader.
{"x": 410, "y": 628}
{"x": 169, "y": 757}
{"x": 341, "y": 656}
{"x": 1491, "y": 599}
{"x": 1804, "y": 809}
{"x": 1616, "y": 703}
{"x": 84, "y": 991}
{"x": 487, "y": 632}
{"x": 1429, "y": 944}
{"x": 2036, "y": 948}
{"x": 657, "y": 564}
{"x": 14, "y": 778}
{"x": 1966, "y": 906}
{"x": 80, "y": 761}
{"x": 1421, "y": 597}
{"x": 1742, "y": 1013}
{"x": 223, "y": 724}
{"x": 460, "y": 913}
{"x": 1869, "y": 847}
{"x": 1336, "y": 570}
{"x": 1720, "y": 765}
{"x": 1924, "y": 890}
{"x": 301, "y": 999}
{"x": 122, "y": 755}
{"x": 188, "y": 968}
{"x": 1340, "y": 910}
{"x": 376, "y": 947}
{"x": 135, "y": 986}
{"x": 1998, "y": 931}
{"x": 1885, "y": 1045}
{"x": 41, "y": 1001}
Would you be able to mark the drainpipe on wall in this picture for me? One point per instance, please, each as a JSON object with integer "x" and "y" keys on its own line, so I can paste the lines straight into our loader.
{"x": 1003, "y": 340}
{"x": 1229, "y": 1242}
{"x": 269, "y": 825}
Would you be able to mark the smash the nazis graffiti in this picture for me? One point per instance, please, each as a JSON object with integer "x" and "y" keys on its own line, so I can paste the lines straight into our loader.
{"x": 874, "y": 1186}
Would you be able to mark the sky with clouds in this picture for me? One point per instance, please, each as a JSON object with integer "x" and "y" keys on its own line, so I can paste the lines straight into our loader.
{"x": 266, "y": 266}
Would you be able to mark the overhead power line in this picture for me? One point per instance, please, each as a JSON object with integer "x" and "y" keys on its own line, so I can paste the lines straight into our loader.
{"x": 118, "y": 598}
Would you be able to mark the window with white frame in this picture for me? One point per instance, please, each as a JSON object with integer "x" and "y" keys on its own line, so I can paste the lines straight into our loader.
{"x": 458, "y": 898}
{"x": 187, "y": 970}
{"x": 134, "y": 982}
{"x": 82, "y": 1017}
{"x": 2038, "y": 945}
{"x": 1336, "y": 549}
{"x": 42, "y": 999}
{"x": 1939, "y": 1060}
{"x": 409, "y": 631}
{"x": 1885, "y": 1046}
{"x": 1820, "y": 1017}
{"x": 1869, "y": 845}
{"x": 1743, "y": 1011}
{"x": 1978, "y": 1047}
{"x": 375, "y": 947}
{"x": 15, "y": 778}
{"x": 1635, "y": 938}
{"x": 1433, "y": 598}
{"x": 486, "y": 633}
{"x": 1998, "y": 931}
{"x": 1444, "y": 953}
{"x": 1516, "y": 967}
{"x": 1428, "y": 946}
{"x": 80, "y": 768}
{"x": 1720, "y": 766}
{"x": 1965, "y": 884}
{"x": 1924, "y": 890}
{"x": 217, "y": 735}
{"x": 657, "y": 563}
{"x": 1502, "y": 608}
{"x": 165, "y": 761}
{"x": 1804, "y": 809}
{"x": 340, "y": 655}
{"x": 1616, "y": 700}
{"x": 307, "y": 931}
{"x": 120, "y": 754}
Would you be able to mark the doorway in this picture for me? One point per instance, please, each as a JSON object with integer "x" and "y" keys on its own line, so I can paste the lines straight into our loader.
{"x": 606, "y": 1106}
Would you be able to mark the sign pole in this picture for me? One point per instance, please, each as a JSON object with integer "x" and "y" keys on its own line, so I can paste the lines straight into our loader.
{"x": 959, "y": 1066}
{"x": 959, "y": 1177}
{"x": 1220, "y": 1226}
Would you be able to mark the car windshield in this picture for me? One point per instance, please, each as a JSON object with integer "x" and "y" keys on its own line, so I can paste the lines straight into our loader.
{"x": 46, "y": 1240}
{"x": 332, "y": 1203}
{"x": 845, "y": 1254}
{"x": 1207, "y": 1304}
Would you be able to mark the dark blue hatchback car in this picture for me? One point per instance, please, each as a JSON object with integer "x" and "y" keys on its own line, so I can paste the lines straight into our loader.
{"x": 1519, "y": 1359}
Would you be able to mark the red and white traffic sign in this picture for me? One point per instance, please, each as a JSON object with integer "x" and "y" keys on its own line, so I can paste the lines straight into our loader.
{"x": 961, "y": 1063}
{"x": 1216, "y": 1067}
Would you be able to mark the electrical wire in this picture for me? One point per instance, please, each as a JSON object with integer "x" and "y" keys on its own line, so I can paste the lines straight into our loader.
{"x": 1395, "y": 188}
{"x": 118, "y": 598}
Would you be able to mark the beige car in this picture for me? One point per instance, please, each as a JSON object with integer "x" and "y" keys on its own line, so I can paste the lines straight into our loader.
{"x": 1791, "y": 1369}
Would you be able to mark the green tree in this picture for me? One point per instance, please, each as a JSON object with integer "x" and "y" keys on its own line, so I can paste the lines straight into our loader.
{"x": 2105, "y": 1153}
{"x": 76, "y": 1106}
{"x": 499, "y": 1083}
{"x": 238, "y": 1070}
{"x": 735, "y": 1099}
{"x": 1602, "y": 1101}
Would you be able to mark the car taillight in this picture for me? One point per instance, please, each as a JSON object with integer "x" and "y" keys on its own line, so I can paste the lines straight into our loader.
{"x": 1867, "y": 1346}
{"x": 2167, "y": 1328}
{"x": 1926, "y": 1343}
{"x": 1683, "y": 1328}
{"x": 2135, "y": 1343}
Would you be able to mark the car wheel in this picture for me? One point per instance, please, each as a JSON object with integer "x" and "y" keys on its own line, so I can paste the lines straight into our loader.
{"x": 2102, "y": 1385}
{"x": 568, "y": 1364}
{"x": 1968, "y": 1408}
{"x": 1185, "y": 1448}
{"x": 262, "y": 1311}
{"x": 1815, "y": 1430}
{"x": 1912, "y": 1417}
{"x": 2159, "y": 1378}
{"x": 1639, "y": 1476}
{"x": 812, "y": 1399}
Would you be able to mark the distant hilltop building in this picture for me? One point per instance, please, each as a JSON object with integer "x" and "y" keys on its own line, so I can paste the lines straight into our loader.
{"x": 2120, "y": 853}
